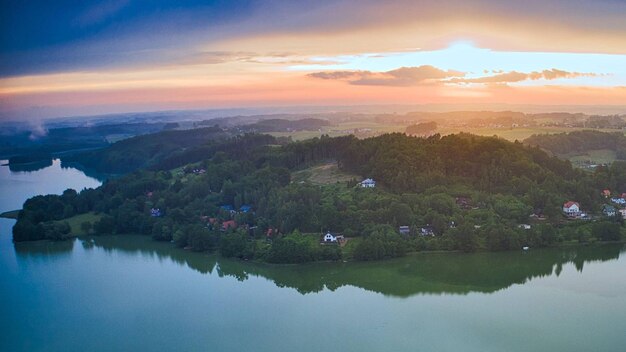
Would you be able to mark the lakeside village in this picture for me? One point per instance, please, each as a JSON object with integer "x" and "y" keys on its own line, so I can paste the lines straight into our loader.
{"x": 571, "y": 210}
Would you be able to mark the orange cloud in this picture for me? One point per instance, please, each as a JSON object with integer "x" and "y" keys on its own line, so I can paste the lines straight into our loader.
{"x": 514, "y": 76}
{"x": 401, "y": 77}
{"x": 426, "y": 74}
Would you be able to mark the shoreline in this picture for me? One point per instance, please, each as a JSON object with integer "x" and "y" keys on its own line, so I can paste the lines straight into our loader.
{"x": 342, "y": 261}
{"x": 11, "y": 214}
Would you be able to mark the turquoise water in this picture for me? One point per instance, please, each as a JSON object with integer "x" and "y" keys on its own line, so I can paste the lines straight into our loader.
{"x": 127, "y": 293}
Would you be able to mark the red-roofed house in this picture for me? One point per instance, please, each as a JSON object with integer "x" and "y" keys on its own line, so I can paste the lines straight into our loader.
{"x": 606, "y": 193}
{"x": 571, "y": 208}
{"x": 230, "y": 224}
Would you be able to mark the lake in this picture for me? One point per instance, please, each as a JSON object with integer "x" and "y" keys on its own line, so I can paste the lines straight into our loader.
{"x": 128, "y": 293}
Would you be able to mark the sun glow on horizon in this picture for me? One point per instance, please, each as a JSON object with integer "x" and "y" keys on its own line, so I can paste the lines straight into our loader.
{"x": 603, "y": 70}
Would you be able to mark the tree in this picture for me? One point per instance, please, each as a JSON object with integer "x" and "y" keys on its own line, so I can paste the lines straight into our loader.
{"x": 465, "y": 237}
{"x": 235, "y": 245}
{"x": 606, "y": 231}
{"x": 104, "y": 226}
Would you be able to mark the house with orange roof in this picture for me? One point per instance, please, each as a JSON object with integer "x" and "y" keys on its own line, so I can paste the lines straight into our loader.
{"x": 571, "y": 208}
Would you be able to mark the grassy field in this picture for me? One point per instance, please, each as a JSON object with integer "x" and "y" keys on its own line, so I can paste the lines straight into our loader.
{"x": 601, "y": 156}
{"x": 76, "y": 221}
{"x": 345, "y": 128}
{"x": 297, "y": 136}
{"x": 324, "y": 174}
{"x": 512, "y": 134}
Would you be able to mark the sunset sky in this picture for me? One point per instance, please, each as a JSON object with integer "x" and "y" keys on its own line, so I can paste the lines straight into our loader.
{"x": 62, "y": 58}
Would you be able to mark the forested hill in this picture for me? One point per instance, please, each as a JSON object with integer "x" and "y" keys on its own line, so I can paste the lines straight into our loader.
{"x": 415, "y": 164}
{"x": 146, "y": 150}
{"x": 467, "y": 192}
{"x": 580, "y": 142}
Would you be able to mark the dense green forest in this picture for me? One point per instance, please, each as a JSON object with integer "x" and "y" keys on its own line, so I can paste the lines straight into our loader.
{"x": 146, "y": 150}
{"x": 235, "y": 195}
{"x": 580, "y": 142}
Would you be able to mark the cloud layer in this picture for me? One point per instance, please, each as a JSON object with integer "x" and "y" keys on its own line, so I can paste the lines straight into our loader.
{"x": 428, "y": 75}
{"x": 401, "y": 77}
{"x": 514, "y": 76}
{"x": 41, "y": 36}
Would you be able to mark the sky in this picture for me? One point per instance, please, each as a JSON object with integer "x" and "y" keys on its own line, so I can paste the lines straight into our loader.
{"x": 65, "y": 58}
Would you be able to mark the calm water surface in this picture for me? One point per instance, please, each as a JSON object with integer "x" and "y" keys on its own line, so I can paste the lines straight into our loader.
{"x": 127, "y": 293}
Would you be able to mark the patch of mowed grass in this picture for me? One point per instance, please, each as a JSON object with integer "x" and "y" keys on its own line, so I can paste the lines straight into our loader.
{"x": 76, "y": 222}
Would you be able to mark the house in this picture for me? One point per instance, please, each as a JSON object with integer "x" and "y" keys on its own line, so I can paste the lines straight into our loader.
{"x": 606, "y": 193}
{"x": 620, "y": 201}
{"x": 524, "y": 226}
{"x": 368, "y": 183}
{"x": 623, "y": 196}
{"x": 609, "y": 210}
{"x": 571, "y": 208}
{"x": 330, "y": 238}
{"x": 270, "y": 234}
{"x": 156, "y": 212}
{"x": 245, "y": 208}
{"x": 230, "y": 224}
{"x": 226, "y": 207}
{"x": 426, "y": 231}
{"x": 623, "y": 213}
{"x": 404, "y": 230}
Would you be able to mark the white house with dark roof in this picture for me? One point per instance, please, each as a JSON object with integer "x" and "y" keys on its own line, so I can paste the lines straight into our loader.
{"x": 368, "y": 183}
{"x": 329, "y": 237}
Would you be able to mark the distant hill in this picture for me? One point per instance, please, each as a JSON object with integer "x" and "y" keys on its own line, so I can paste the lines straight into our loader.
{"x": 508, "y": 118}
{"x": 30, "y": 142}
{"x": 282, "y": 125}
{"x": 421, "y": 129}
{"x": 146, "y": 150}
